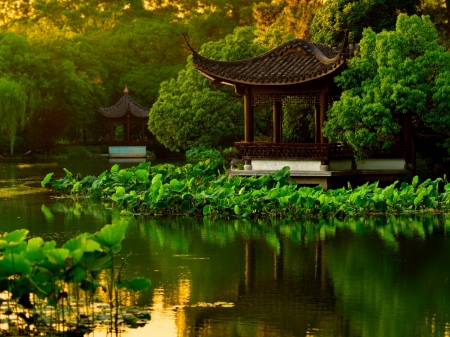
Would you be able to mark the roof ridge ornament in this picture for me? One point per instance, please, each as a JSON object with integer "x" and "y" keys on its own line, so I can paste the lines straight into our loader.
{"x": 126, "y": 91}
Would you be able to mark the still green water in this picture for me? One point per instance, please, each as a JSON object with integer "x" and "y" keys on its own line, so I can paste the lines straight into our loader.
{"x": 362, "y": 277}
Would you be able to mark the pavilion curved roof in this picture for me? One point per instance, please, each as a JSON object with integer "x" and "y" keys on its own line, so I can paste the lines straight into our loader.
{"x": 293, "y": 62}
{"x": 125, "y": 105}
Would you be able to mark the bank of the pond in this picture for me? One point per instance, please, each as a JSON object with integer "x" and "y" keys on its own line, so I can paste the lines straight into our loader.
{"x": 204, "y": 189}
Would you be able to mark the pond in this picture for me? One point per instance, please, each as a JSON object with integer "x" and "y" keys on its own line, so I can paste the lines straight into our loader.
{"x": 359, "y": 277}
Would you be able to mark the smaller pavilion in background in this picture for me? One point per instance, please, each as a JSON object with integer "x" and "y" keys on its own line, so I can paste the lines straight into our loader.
{"x": 127, "y": 122}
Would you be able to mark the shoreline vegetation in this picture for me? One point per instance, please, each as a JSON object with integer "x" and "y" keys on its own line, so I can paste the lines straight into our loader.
{"x": 66, "y": 152}
{"x": 204, "y": 189}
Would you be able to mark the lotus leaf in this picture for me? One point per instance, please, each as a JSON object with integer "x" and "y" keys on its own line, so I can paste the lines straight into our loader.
{"x": 111, "y": 235}
{"x": 142, "y": 176}
{"x": 13, "y": 239}
{"x": 14, "y": 264}
{"x": 115, "y": 168}
{"x": 47, "y": 179}
{"x": 95, "y": 261}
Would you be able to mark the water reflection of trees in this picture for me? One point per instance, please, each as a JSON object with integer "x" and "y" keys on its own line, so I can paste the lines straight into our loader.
{"x": 379, "y": 276}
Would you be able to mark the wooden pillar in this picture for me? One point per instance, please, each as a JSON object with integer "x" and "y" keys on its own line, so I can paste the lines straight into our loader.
{"x": 142, "y": 132}
{"x": 323, "y": 113}
{"x": 316, "y": 123}
{"x": 248, "y": 115}
{"x": 111, "y": 132}
{"x": 127, "y": 131}
{"x": 277, "y": 122}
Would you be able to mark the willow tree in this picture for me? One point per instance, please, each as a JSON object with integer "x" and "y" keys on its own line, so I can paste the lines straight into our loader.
{"x": 13, "y": 102}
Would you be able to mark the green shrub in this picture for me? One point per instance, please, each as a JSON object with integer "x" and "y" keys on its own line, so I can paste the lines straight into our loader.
{"x": 203, "y": 153}
{"x": 230, "y": 153}
{"x": 75, "y": 152}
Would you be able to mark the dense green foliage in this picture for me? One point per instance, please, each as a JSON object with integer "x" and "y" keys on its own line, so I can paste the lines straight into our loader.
{"x": 400, "y": 73}
{"x": 355, "y": 15}
{"x": 204, "y": 189}
{"x": 190, "y": 112}
{"x": 202, "y": 153}
{"x": 37, "y": 274}
{"x": 71, "y": 57}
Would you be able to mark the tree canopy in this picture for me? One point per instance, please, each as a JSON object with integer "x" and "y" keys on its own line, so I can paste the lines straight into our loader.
{"x": 190, "y": 112}
{"x": 355, "y": 15}
{"x": 399, "y": 73}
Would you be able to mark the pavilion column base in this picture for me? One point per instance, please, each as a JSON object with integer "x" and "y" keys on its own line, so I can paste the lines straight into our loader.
{"x": 248, "y": 165}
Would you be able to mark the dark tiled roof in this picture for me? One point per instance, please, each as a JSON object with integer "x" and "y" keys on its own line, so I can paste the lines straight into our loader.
{"x": 293, "y": 62}
{"x": 126, "y": 104}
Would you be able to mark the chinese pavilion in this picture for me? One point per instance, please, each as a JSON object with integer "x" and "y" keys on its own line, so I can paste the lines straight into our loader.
{"x": 132, "y": 118}
{"x": 297, "y": 71}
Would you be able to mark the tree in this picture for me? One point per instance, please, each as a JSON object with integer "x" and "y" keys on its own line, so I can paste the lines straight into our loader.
{"x": 13, "y": 101}
{"x": 140, "y": 53}
{"x": 399, "y": 73}
{"x": 439, "y": 12}
{"x": 190, "y": 113}
{"x": 284, "y": 19}
{"x": 355, "y": 15}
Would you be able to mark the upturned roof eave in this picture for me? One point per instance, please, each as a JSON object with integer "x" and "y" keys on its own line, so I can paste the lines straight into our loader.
{"x": 233, "y": 81}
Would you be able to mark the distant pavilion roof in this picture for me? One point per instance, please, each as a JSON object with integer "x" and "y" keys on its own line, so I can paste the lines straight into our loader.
{"x": 293, "y": 62}
{"x": 125, "y": 105}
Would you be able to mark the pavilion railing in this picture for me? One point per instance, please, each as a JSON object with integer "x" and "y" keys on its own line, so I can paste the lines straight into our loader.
{"x": 310, "y": 151}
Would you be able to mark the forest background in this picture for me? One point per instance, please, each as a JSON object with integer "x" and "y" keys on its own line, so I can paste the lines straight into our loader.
{"x": 60, "y": 60}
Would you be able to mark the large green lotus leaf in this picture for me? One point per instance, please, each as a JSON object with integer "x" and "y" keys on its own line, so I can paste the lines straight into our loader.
{"x": 15, "y": 237}
{"x": 111, "y": 235}
{"x": 76, "y": 256}
{"x": 59, "y": 257}
{"x": 41, "y": 275}
{"x": 34, "y": 244}
{"x": 75, "y": 243}
{"x": 92, "y": 246}
{"x": 142, "y": 176}
{"x": 49, "y": 245}
{"x": 21, "y": 247}
{"x": 177, "y": 186}
{"x": 14, "y": 264}
{"x": 95, "y": 261}
{"x": 3, "y": 244}
{"x": 156, "y": 178}
{"x": 77, "y": 274}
